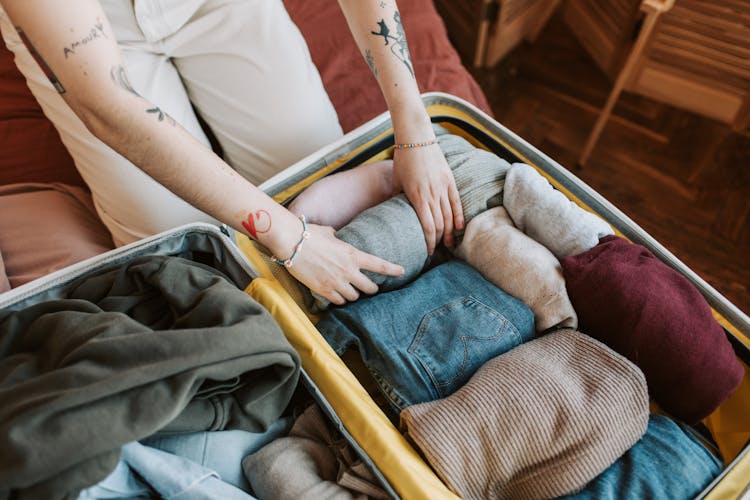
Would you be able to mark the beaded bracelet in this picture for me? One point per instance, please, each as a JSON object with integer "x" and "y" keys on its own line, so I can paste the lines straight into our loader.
{"x": 411, "y": 145}
{"x": 297, "y": 248}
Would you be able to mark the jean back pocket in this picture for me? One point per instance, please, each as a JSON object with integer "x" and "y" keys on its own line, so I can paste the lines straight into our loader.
{"x": 455, "y": 339}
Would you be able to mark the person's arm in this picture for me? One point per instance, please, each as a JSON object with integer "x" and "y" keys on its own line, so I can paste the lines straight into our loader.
{"x": 421, "y": 172}
{"x": 92, "y": 80}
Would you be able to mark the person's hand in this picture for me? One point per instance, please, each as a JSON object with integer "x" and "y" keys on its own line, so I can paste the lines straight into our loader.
{"x": 332, "y": 268}
{"x": 427, "y": 181}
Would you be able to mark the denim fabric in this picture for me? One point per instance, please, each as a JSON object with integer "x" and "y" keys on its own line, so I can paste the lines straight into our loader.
{"x": 424, "y": 341}
{"x": 220, "y": 451}
{"x": 144, "y": 472}
{"x": 668, "y": 463}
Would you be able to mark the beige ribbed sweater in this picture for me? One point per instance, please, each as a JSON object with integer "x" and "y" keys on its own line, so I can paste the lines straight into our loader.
{"x": 539, "y": 421}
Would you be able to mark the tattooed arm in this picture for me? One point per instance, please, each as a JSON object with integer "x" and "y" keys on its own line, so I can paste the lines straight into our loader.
{"x": 75, "y": 46}
{"x": 422, "y": 172}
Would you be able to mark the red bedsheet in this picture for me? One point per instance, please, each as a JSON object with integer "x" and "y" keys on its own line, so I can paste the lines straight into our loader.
{"x": 30, "y": 149}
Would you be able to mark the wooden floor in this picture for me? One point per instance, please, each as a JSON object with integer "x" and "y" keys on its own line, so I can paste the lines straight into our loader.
{"x": 685, "y": 179}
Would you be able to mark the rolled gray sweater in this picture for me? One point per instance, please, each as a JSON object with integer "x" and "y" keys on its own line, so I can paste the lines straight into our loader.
{"x": 391, "y": 230}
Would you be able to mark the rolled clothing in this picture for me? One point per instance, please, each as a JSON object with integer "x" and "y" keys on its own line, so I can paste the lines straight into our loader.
{"x": 548, "y": 216}
{"x": 158, "y": 343}
{"x": 479, "y": 174}
{"x": 651, "y": 314}
{"x": 424, "y": 341}
{"x": 391, "y": 230}
{"x": 668, "y": 463}
{"x": 519, "y": 265}
{"x": 313, "y": 462}
{"x": 336, "y": 199}
{"x": 539, "y": 421}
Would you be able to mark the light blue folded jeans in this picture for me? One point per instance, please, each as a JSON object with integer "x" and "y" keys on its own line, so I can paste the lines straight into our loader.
{"x": 424, "y": 341}
{"x": 668, "y": 463}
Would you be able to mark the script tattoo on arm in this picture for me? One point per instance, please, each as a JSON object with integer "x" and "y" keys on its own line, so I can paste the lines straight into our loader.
{"x": 397, "y": 40}
{"x": 95, "y": 33}
{"x": 41, "y": 62}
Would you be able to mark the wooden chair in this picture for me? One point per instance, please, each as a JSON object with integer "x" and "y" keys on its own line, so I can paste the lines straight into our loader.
{"x": 651, "y": 9}
{"x": 692, "y": 54}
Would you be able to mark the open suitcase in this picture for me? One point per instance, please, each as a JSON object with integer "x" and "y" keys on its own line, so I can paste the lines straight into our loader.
{"x": 331, "y": 382}
{"x": 407, "y": 473}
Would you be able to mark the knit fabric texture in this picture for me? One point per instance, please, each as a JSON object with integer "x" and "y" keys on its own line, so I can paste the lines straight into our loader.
{"x": 650, "y": 313}
{"x": 539, "y": 421}
{"x": 479, "y": 174}
{"x": 314, "y": 461}
{"x": 520, "y": 266}
{"x": 548, "y": 216}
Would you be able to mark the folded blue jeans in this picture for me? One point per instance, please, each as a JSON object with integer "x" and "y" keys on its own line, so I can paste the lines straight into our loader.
{"x": 668, "y": 463}
{"x": 424, "y": 341}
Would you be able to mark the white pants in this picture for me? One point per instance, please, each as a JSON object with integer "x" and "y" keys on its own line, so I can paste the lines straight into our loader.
{"x": 242, "y": 64}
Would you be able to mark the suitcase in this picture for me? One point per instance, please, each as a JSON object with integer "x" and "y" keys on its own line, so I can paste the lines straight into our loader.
{"x": 331, "y": 381}
{"x": 406, "y": 472}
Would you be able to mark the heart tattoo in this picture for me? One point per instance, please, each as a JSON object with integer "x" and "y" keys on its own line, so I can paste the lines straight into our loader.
{"x": 258, "y": 222}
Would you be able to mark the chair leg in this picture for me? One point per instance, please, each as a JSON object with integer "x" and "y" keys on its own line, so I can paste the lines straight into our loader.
{"x": 489, "y": 13}
{"x": 625, "y": 73}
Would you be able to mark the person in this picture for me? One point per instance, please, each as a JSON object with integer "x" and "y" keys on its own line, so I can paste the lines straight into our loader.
{"x": 121, "y": 80}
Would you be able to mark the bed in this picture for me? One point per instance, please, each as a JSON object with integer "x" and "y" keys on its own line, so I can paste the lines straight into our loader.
{"x": 47, "y": 220}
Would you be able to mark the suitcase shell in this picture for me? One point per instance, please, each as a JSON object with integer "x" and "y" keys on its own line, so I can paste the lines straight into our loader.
{"x": 399, "y": 466}
{"x": 395, "y": 458}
